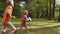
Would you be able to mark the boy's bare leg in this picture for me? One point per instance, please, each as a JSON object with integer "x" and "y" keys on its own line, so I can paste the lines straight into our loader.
{"x": 11, "y": 31}
{"x": 3, "y": 29}
{"x": 18, "y": 29}
{"x": 2, "y": 32}
{"x": 26, "y": 29}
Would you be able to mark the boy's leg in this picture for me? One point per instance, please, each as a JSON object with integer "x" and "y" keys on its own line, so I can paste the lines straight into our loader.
{"x": 2, "y": 32}
{"x": 26, "y": 28}
{"x": 3, "y": 29}
{"x": 21, "y": 26}
{"x": 13, "y": 29}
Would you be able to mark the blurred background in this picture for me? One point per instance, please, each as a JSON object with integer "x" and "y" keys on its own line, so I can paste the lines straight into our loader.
{"x": 37, "y": 8}
{"x": 45, "y": 15}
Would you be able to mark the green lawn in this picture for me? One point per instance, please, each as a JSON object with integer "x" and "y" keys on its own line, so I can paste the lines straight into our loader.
{"x": 38, "y": 26}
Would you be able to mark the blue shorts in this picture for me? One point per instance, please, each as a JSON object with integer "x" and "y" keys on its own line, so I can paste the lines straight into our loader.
{"x": 21, "y": 26}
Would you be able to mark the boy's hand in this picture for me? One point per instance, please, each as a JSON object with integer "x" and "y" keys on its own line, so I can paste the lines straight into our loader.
{"x": 13, "y": 17}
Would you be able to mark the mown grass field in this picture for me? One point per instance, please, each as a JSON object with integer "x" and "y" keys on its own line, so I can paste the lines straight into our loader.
{"x": 37, "y": 26}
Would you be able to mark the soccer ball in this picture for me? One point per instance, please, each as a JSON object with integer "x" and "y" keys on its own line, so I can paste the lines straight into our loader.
{"x": 28, "y": 19}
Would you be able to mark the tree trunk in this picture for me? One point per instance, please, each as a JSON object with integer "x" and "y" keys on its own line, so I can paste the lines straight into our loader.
{"x": 59, "y": 16}
{"x": 49, "y": 16}
{"x": 53, "y": 13}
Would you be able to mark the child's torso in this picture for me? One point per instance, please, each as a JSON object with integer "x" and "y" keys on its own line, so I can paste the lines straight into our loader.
{"x": 24, "y": 20}
{"x": 6, "y": 15}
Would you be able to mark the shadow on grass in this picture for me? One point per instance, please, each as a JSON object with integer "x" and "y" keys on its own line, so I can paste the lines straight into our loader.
{"x": 39, "y": 31}
{"x": 44, "y": 30}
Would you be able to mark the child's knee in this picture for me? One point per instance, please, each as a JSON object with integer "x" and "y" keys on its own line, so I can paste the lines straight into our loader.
{"x": 13, "y": 29}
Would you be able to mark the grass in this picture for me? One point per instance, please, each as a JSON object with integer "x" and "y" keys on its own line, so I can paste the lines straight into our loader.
{"x": 42, "y": 27}
{"x": 44, "y": 30}
{"x": 47, "y": 30}
{"x": 38, "y": 26}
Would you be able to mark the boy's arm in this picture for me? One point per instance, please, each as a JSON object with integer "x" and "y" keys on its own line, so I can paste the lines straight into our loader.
{"x": 11, "y": 16}
{"x": 24, "y": 18}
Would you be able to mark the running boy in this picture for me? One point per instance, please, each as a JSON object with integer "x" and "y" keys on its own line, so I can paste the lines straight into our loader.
{"x": 6, "y": 18}
{"x": 23, "y": 23}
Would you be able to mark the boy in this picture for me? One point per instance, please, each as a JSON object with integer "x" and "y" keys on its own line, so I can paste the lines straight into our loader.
{"x": 23, "y": 23}
{"x": 6, "y": 18}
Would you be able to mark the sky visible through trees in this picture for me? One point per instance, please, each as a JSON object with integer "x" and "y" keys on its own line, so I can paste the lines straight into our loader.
{"x": 58, "y": 1}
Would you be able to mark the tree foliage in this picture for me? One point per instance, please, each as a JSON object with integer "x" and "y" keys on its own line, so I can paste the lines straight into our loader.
{"x": 37, "y": 8}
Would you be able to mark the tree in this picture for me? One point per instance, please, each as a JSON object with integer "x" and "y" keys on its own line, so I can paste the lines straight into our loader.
{"x": 2, "y": 8}
{"x": 53, "y": 13}
{"x": 52, "y": 9}
{"x": 59, "y": 15}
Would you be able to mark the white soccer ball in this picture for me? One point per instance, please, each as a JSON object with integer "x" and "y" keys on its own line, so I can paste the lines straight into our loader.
{"x": 28, "y": 19}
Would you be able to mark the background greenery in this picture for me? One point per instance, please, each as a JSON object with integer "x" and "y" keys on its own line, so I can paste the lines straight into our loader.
{"x": 45, "y": 19}
{"x": 37, "y": 8}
